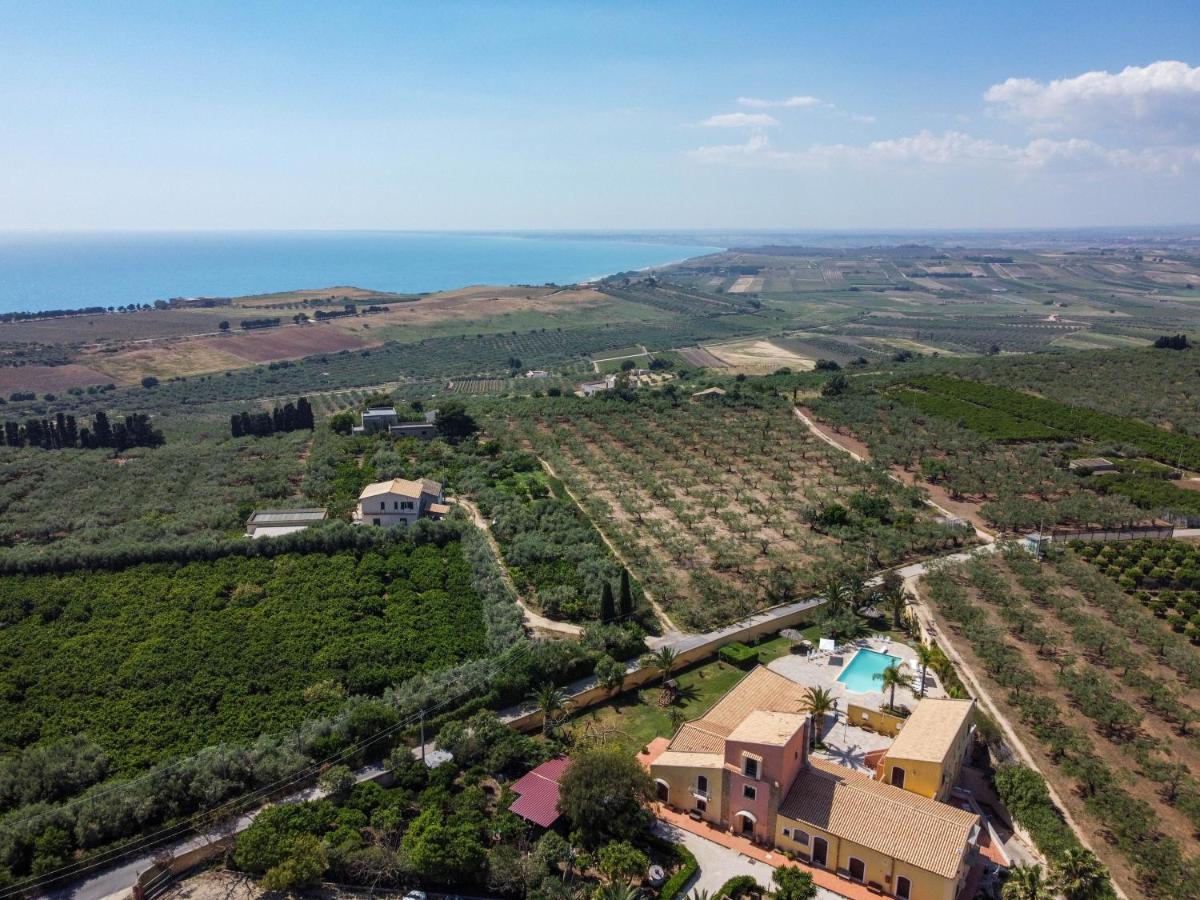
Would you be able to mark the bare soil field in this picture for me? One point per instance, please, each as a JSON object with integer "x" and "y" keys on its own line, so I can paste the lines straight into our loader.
{"x": 759, "y": 357}
{"x": 332, "y": 294}
{"x": 698, "y": 356}
{"x": 154, "y": 323}
{"x": 164, "y": 360}
{"x": 285, "y": 342}
{"x": 43, "y": 379}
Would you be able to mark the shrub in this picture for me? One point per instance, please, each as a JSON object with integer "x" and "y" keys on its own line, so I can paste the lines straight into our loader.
{"x": 738, "y": 654}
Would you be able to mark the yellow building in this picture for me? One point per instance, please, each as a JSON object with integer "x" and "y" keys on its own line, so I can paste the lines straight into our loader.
{"x": 894, "y": 841}
{"x": 927, "y": 756}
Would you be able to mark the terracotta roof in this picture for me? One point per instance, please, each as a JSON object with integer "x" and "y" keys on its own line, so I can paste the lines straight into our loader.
{"x": 898, "y": 823}
{"x": 402, "y": 487}
{"x": 690, "y": 760}
{"x": 439, "y": 509}
{"x": 763, "y": 727}
{"x": 539, "y": 791}
{"x": 693, "y": 737}
{"x": 929, "y": 733}
{"x": 762, "y": 691}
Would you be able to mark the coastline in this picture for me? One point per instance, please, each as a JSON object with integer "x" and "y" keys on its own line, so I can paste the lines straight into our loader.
{"x": 59, "y": 275}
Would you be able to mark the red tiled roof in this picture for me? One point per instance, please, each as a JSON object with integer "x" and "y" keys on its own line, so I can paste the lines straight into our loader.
{"x": 538, "y": 790}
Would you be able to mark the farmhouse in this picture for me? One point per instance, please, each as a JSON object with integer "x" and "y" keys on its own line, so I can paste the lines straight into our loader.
{"x": 377, "y": 418}
{"x": 1095, "y": 466}
{"x": 588, "y": 388}
{"x": 425, "y": 431}
{"x": 745, "y": 766}
{"x": 400, "y": 501}
{"x": 274, "y": 522}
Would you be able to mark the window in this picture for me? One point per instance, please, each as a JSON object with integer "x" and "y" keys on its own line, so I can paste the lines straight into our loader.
{"x": 748, "y": 792}
{"x": 701, "y": 805}
{"x": 382, "y": 505}
{"x": 897, "y": 777}
{"x": 702, "y": 784}
{"x": 395, "y": 504}
{"x": 903, "y": 887}
{"x": 800, "y": 836}
{"x": 787, "y": 832}
{"x": 750, "y": 767}
{"x": 374, "y": 521}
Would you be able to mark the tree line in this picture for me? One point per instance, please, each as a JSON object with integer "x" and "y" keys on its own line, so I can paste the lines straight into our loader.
{"x": 63, "y": 432}
{"x": 289, "y": 417}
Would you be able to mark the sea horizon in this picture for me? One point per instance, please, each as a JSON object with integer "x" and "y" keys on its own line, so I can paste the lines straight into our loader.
{"x": 52, "y": 270}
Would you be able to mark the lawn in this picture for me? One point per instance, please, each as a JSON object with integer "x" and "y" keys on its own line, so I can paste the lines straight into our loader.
{"x": 633, "y": 720}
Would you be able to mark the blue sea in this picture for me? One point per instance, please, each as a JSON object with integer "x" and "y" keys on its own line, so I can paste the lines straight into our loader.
{"x": 68, "y": 271}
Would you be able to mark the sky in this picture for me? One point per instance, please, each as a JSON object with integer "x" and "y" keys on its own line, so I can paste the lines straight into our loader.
{"x": 598, "y": 115}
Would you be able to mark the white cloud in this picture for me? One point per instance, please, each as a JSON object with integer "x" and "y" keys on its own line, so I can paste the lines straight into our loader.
{"x": 802, "y": 102}
{"x": 956, "y": 148}
{"x": 863, "y": 120}
{"x": 1155, "y": 103}
{"x": 740, "y": 120}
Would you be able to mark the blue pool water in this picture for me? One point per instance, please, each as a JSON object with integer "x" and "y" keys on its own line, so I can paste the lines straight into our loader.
{"x": 67, "y": 271}
{"x": 859, "y": 675}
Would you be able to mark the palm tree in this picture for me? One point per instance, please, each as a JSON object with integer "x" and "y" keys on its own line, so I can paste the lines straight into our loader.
{"x": 894, "y": 598}
{"x": 892, "y": 678}
{"x": 617, "y": 890}
{"x": 1027, "y": 883}
{"x": 837, "y": 597}
{"x": 664, "y": 661}
{"x": 550, "y": 701}
{"x": 926, "y": 656}
{"x": 1078, "y": 875}
{"x": 818, "y": 703}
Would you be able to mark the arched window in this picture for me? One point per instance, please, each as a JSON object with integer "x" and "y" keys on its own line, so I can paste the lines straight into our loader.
{"x": 858, "y": 870}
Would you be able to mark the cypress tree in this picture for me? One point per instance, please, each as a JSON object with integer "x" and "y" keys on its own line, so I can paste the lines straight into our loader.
{"x": 625, "y": 595}
{"x": 608, "y": 610}
{"x": 235, "y": 425}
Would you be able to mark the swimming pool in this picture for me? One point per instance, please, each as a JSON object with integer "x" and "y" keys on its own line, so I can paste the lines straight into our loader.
{"x": 859, "y": 674}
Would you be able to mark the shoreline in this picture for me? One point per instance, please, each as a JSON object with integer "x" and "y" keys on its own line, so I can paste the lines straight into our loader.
{"x": 373, "y": 268}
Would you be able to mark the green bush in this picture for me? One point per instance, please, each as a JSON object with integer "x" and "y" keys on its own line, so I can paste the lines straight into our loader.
{"x": 738, "y": 654}
{"x": 738, "y": 886}
{"x": 1023, "y": 791}
{"x": 677, "y": 882}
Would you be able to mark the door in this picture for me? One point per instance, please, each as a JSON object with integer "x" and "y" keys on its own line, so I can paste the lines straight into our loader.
{"x": 820, "y": 852}
{"x": 903, "y": 887}
{"x": 858, "y": 870}
{"x": 661, "y": 791}
{"x": 747, "y": 825}
{"x": 897, "y": 777}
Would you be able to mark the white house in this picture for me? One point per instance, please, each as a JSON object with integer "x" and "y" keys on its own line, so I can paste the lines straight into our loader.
{"x": 377, "y": 418}
{"x": 400, "y": 501}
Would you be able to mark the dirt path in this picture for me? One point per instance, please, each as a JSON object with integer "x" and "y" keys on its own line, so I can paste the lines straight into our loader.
{"x": 669, "y": 627}
{"x": 938, "y": 497}
{"x": 534, "y": 621}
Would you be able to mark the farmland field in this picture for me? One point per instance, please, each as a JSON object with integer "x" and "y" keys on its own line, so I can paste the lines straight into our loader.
{"x": 166, "y": 658}
{"x": 286, "y": 342}
{"x": 720, "y": 508}
{"x": 1103, "y": 693}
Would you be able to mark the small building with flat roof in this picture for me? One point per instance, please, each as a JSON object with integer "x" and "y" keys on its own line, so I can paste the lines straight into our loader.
{"x": 275, "y": 522}
{"x": 1093, "y": 466}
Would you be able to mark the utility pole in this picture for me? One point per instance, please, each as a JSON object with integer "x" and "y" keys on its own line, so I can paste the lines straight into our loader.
{"x": 423, "y": 737}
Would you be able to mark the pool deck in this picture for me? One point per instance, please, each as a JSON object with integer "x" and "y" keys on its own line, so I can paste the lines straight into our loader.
{"x": 821, "y": 669}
